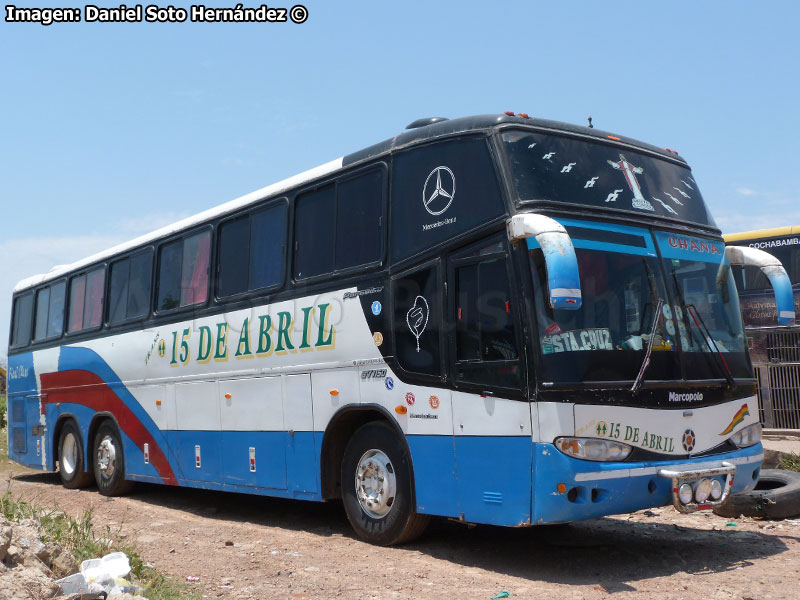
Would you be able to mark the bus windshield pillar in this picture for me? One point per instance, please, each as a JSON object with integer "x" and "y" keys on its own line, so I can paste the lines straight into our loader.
{"x": 563, "y": 278}
{"x": 774, "y": 271}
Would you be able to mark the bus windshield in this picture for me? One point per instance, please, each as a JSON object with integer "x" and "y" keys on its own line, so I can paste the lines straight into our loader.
{"x": 697, "y": 334}
{"x": 553, "y": 168}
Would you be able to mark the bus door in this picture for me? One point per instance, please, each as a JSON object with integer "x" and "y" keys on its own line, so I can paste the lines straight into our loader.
{"x": 492, "y": 432}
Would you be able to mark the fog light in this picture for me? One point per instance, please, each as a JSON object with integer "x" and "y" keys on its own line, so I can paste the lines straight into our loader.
{"x": 685, "y": 493}
{"x": 716, "y": 490}
{"x": 702, "y": 490}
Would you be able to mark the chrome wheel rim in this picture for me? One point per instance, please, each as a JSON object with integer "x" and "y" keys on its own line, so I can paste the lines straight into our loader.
{"x": 376, "y": 484}
{"x": 106, "y": 457}
{"x": 69, "y": 454}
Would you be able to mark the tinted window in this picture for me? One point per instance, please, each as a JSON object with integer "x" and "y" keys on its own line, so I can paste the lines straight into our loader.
{"x": 23, "y": 320}
{"x": 575, "y": 171}
{"x": 194, "y": 273}
{"x": 441, "y": 190}
{"x": 93, "y": 308}
{"x": 267, "y": 247}
{"x": 340, "y": 226}
{"x": 314, "y": 234}
{"x": 358, "y": 220}
{"x": 484, "y": 324}
{"x": 169, "y": 276}
{"x": 183, "y": 272}
{"x": 55, "y": 319}
{"x": 118, "y": 294}
{"x": 130, "y": 288}
{"x": 42, "y": 306}
{"x": 417, "y": 314}
{"x": 139, "y": 286}
{"x": 251, "y": 251}
{"x": 786, "y": 250}
{"x": 86, "y": 300}
{"x": 234, "y": 248}
{"x": 77, "y": 295}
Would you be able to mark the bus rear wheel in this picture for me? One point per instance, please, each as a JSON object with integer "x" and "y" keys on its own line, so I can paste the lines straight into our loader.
{"x": 109, "y": 461}
{"x": 376, "y": 487}
{"x": 71, "y": 467}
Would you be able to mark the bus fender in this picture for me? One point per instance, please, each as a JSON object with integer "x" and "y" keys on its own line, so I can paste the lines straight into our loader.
{"x": 339, "y": 431}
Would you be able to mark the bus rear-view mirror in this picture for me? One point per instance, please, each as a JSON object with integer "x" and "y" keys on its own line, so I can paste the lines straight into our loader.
{"x": 563, "y": 278}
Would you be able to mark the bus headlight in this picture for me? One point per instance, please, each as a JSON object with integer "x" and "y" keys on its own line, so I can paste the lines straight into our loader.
{"x": 748, "y": 436}
{"x": 593, "y": 448}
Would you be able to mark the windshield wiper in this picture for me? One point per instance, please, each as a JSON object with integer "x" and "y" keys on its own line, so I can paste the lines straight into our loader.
{"x": 711, "y": 343}
{"x": 646, "y": 362}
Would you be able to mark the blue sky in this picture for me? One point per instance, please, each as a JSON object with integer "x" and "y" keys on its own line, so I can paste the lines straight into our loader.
{"x": 111, "y": 130}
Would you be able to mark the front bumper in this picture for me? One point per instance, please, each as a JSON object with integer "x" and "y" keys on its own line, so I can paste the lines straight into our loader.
{"x": 596, "y": 489}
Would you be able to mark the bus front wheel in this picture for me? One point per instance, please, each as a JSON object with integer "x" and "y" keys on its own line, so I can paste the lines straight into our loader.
{"x": 109, "y": 461}
{"x": 71, "y": 467}
{"x": 376, "y": 487}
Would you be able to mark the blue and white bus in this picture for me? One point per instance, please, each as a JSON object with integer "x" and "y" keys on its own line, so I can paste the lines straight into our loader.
{"x": 496, "y": 319}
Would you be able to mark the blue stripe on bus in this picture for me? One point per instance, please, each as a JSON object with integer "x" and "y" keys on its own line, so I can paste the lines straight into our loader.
{"x": 648, "y": 250}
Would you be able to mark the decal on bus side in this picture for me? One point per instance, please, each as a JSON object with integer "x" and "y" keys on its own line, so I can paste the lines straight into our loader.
{"x": 212, "y": 343}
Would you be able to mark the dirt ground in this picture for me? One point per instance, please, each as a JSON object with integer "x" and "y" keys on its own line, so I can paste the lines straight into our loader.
{"x": 248, "y": 547}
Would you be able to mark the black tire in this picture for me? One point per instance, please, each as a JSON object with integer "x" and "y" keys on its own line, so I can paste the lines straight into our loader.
{"x": 71, "y": 463}
{"x": 397, "y": 522}
{"x": 776, "y": 496}
{"x": 109, "y": 461}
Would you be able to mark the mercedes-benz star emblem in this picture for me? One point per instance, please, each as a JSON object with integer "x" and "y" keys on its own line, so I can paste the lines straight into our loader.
{"x": 439, "y": 190}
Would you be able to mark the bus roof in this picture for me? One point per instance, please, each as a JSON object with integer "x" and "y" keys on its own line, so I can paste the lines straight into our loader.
{"x": 761, "y": 233}
{"x": 409, "y": 137}
{"x": 447, "y": 127}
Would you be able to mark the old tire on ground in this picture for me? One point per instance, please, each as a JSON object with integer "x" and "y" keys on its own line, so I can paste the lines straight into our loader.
{"x": 376, "y": 487}
{"x": 71, "y": 467}
{"x": 776, "y": 496}
{"x": 109, "y": 461}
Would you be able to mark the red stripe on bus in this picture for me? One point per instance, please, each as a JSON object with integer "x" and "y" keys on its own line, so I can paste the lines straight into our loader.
{"x": 86, "y": 388}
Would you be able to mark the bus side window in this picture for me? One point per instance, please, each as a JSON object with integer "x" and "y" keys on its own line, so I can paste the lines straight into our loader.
{"x": 251, "y": 251}
{"x": 183, "y": 271}
{"x": 485, "y": 341}
{"x": 417, "y": 315}
{"x": 23, "y": 320}
{"x": 315, "y": 214}
{"x": 50, "y": 311}
{"x": 86, "y": 300}
{"x": 359, "y": 220}
{"x": 340, "y": 226}
{"x": 129, "y": 295}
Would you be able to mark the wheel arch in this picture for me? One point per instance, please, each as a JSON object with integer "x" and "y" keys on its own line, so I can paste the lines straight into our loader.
{"x": 340, "y": 429}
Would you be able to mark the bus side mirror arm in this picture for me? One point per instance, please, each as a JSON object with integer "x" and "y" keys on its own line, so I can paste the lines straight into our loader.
{"x": 771, "y": 267}
{"x": 563, "y": 278}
